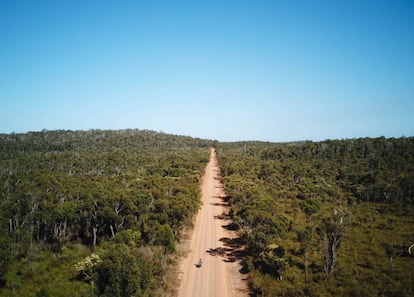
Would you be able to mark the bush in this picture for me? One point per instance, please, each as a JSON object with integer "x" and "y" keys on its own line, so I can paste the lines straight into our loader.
{"x": 122, "y": 273}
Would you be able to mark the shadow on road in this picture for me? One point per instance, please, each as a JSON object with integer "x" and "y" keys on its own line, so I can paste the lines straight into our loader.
{"x": 233, "y": 249}
{"x": 219, "y": 204}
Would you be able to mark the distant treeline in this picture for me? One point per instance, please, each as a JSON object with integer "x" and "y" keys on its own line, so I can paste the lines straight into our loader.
{"x": 123, "y": 195}
{"x": 331, "y": 218}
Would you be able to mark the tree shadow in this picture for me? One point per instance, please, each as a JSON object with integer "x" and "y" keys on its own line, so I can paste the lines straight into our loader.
{"x": 233, "y": 243}
{"x": 219, "y": 204}
{"x": 233, "y": 248}
{"x": 223, "y": 217}
{"x": 224, "y": 199}
{"x": 231, "y": 227}
{"x": 232, "y": 251}
{"x": 220, "y": 251}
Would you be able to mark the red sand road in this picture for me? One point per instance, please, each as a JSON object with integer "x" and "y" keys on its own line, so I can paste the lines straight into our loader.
{"x": 219, "y": 275}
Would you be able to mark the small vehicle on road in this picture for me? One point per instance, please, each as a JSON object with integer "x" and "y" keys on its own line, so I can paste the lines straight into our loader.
{"x": 200, "y": 263}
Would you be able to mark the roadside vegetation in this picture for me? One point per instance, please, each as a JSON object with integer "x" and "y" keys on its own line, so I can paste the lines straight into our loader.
{"x": 331, "y": 218}
{"x": 95, "y": 213}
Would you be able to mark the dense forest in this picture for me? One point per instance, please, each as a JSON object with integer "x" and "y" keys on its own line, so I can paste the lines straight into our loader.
{"x": 95, "y": 213}
{"x": 100, "y": 213}
{"x": 331, "y": 218}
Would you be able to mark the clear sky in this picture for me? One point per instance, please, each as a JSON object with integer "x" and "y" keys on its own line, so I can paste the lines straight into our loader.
{"x": 226, "y": 70}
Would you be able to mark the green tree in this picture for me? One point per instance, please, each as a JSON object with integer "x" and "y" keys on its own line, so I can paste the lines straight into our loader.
{"x": 122, "y": 273}
{"x": 309, "y": 207}
{"x": 5, "y": 256}
{"x": 165, "y": 238}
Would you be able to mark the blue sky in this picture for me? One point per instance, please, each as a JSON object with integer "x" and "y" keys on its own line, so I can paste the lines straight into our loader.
{"x": 226, "y": 70}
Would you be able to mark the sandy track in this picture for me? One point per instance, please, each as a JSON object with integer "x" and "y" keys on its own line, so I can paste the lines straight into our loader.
{"x": 214, "y": 244}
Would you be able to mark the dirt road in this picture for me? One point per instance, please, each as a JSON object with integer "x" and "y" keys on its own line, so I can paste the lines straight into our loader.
{"x": 214, "y": 243}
